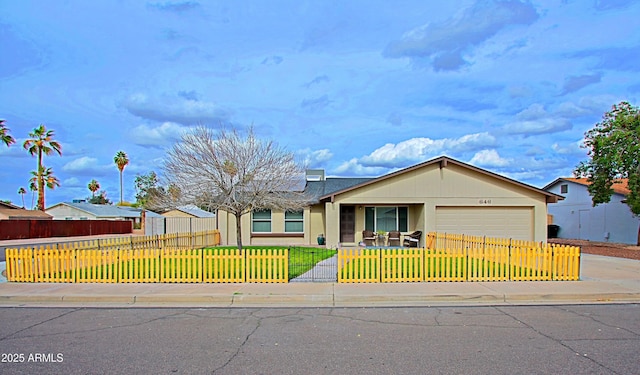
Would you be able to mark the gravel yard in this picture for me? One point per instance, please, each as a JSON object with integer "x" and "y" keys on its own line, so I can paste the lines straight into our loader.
{"x": 602, "y": 248}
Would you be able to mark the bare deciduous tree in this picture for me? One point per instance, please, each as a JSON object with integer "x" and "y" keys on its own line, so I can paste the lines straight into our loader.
{"x": 237, "y": 174}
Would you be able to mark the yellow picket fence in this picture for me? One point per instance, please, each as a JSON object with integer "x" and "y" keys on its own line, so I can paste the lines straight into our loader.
{"x": 358, "y": 266}
{"x": 169, "y": 265}
{"x": 171, "y": 258}
{"x": 461, "y": 258}
{"x": 223, "y": 266}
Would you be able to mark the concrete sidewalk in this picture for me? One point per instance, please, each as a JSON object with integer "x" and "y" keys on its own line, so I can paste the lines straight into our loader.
{"x": 603, "y": 280}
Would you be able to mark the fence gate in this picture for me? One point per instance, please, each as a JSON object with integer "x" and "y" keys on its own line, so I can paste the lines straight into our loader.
{"x": 313, "y": 265}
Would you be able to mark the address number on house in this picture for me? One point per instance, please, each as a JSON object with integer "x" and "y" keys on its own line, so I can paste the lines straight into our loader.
{"x": 484, "y": 201}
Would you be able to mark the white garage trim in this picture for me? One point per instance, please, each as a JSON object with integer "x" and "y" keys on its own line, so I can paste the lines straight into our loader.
{"x": 504, "y": 222}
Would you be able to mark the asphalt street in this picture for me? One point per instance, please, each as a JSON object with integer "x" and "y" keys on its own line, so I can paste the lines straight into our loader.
{"x": 567, "y": 339}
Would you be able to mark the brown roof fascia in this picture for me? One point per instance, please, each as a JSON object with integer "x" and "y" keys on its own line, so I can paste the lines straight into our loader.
{"x": 443, "y": 161}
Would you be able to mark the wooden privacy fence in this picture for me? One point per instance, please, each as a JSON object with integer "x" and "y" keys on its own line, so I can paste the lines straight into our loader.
{"x": 24, "y": 228}
{"x": 461, "y": 258}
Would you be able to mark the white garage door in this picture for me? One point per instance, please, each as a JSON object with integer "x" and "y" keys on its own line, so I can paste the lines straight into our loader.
{"x": 505, "y": 222}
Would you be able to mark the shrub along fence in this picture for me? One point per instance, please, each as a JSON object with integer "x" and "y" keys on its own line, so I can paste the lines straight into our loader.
{"x": 453, "y": 257}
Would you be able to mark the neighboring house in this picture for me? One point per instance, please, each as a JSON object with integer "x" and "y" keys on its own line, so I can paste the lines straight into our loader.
{"x": 578, "y": 219}
{"x": 188, "y": 211}
{"x": 182, "y": 219}
{"x": 89, "y": 211}
{"x": 9, "y": 211}
{"x": 442, "y": 194}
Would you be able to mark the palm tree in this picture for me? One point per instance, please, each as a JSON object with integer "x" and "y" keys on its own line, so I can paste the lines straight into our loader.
{"x": 41, "y": 142}
{"x": 46, "y": 177}
{"x": 93, "y": 187}
{"x": 121, "y": 161}
{"x": 33, "y": 186}
{"x": 22, "y": 192}
{"x": 4, "y": 135}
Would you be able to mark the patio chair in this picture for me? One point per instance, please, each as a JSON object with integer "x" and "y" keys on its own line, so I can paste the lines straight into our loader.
{"x": 394, "y": 238}
{"x": 368, "y": 237}
{"x": 413, "y": 239}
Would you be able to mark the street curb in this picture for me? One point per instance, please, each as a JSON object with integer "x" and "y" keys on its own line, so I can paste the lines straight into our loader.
{"x": 158, "y": 298}
{"x": 31, "y": 298}
{"x": 589, "y": 298}
{"x": 241, "y": 300}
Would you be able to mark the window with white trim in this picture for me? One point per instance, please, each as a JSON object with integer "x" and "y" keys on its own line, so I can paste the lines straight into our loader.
{"x": 386, "y": 218}
{"x": 293, "y": 222}
{"x": 261, "y": 221}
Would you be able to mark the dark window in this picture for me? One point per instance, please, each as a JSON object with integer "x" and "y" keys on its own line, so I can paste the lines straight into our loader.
{"x": 386, "y": 218}
{"x": 564, "y": 189}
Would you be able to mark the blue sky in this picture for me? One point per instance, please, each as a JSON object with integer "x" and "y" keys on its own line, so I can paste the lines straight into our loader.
{"x": 359, "y": 88}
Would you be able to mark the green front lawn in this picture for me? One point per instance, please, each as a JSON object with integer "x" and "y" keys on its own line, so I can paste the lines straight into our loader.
{"x": 301, "y": 260}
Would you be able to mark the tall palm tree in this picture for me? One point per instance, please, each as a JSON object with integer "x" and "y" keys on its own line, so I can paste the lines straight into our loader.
{"x": 33, "y": 186}
{"x": 46, "y": 177}
{"x": 22, "y": 192}
{"x": 121, "y": 161}
{"x": 4, "y": 135}
{"x": 41, "y": 142}
{"x": 93, "y": 187}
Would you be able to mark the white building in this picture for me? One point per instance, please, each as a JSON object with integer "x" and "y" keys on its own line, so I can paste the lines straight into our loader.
{"x": 578, "y": 219}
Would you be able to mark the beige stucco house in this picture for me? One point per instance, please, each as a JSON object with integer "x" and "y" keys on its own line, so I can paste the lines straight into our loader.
{"x": 442, "y": 194}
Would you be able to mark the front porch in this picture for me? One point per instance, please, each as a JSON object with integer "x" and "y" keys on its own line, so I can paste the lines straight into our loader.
{"x": 376, "y": 225}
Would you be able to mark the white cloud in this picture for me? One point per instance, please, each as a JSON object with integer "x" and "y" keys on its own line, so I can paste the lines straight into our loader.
{"x": 489, "y": 158}
{"x": 572, "y": 110}
{"x": 573, "y": 148}
{"x": 524, "y": 175}
{"x": 315, "y": 158}
{"x": 177, "y": 109}
{"x": 420, "y": 149}
{"x": 534, "y": 112}
{"x": 539, "y": 126}
{"x": 82, "y": 164}
{"x": 159, "y": 136}
{"x": 354, "y": 167}
{"x": 71, "y": 182}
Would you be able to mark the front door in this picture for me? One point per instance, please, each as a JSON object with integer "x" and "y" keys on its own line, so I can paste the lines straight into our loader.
{"x": 347, "y": 223}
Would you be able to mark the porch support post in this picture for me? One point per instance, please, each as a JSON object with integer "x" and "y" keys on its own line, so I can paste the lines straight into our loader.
{"x": 332, "y": 233}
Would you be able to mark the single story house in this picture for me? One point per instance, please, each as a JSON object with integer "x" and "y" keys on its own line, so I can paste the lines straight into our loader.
{"x": 578, "y": 219}
{"x": 80, "y": 210}
{"x": 441, "y": 194}
{"x": 9, "y": 211}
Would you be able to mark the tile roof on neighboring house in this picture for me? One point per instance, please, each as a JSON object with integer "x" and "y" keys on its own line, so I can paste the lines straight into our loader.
{"x": 620, "y": 185}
